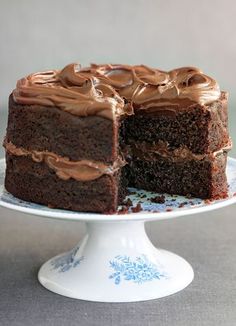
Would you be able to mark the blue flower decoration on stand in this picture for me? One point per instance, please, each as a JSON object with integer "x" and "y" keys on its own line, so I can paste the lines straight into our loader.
{"x": 138, "y": 271}
{"x": 66, "y": 261}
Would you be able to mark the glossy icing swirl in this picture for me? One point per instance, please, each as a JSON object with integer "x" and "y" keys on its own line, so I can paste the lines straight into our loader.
{"x": 70, "y": 91}
{"x": 110, "y": 90}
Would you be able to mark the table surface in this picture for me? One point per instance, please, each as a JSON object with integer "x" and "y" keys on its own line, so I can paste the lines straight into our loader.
{"x": 207, "y": 241}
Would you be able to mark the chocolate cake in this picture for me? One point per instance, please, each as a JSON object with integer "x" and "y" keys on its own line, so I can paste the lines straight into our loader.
{"x": 78, "y": 137}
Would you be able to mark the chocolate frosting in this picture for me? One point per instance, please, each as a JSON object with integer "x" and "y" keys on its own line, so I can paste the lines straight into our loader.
{"x": 149, "y": 151}
{"x": 84, "y": 170}
{"x": 88, "y": 170}
{"x": 108, "y": 90}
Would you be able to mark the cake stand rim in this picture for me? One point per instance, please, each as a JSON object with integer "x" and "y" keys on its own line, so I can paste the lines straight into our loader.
{"x": 141, "y": 216}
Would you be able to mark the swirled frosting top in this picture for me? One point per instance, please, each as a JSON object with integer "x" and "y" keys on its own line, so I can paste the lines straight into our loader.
{"x": 108, "y": 90}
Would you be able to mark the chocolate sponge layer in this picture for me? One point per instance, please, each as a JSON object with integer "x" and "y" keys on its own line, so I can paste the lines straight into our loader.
{"x": 202, "y": 129}
{"x": 40, "y": 128}
{"x": 36, "y": 182}
{"x": 199, "y": 178}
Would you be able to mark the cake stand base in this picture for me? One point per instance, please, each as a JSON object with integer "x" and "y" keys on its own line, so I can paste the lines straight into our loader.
{"x": 116, "y": 262}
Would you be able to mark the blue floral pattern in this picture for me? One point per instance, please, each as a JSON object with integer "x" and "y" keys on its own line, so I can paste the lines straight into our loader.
{"x": 138, "y": 271}
{"x": 66, "y": 261}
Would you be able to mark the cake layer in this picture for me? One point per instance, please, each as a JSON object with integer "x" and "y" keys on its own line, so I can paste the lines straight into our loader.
{"x": 201, "y": 128}
{"x": 82, "y": 170}
{"x": 37, "y": 182}
{"x": 35, "y": 127}
{"x": 204, "y": 178}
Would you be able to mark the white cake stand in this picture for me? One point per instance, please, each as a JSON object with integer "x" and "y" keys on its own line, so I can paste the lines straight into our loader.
{"x": 115, "y": 261}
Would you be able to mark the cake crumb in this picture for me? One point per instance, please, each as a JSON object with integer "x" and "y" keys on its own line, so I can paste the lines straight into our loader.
{"x": 169, "y": 210}
{"x": 207, "y": 201}
{"x": 123, "y": 210}
{"x": 137, "y": 208}
{"x": 158, "y": 199}
{"x": 128, "y": 202}
{"x": 182, "y": 204}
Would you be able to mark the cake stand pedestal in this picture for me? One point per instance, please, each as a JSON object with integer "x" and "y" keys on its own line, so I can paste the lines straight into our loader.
{"x": 115, "y": 261}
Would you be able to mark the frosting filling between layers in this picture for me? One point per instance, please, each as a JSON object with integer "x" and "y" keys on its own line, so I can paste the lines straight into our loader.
{"x": 149, "y": 152}
{"x": 88, "y": 170}
{"x": 84, "y": 170}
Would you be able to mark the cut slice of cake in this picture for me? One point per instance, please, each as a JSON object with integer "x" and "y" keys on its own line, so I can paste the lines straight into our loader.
{"x": 78, "y": 137}
{"x": 181, "y": 151}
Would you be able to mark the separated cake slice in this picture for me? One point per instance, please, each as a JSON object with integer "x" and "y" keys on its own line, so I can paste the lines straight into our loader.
{"x": 62, "y": 142}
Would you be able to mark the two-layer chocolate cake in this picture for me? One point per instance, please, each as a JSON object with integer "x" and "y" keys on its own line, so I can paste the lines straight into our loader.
{"x": 78, "y": 137}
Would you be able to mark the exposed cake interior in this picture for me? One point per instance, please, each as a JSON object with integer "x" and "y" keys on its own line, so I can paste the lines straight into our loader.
{"x": 83, "y": 135}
